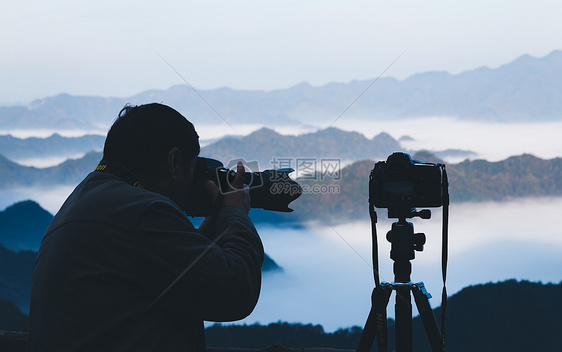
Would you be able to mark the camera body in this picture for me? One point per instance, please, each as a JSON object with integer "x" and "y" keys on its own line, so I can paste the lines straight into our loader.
{"x": 269, "y": 189}
{"x": 403, "y": 183}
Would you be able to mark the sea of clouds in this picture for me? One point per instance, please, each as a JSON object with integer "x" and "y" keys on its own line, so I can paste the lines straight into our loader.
{"x": 328, "y": 277}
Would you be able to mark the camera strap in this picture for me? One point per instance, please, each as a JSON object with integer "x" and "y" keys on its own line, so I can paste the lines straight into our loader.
{"x": 444, "y": 249}
{"x": 375, "y": 249}
{"x": 122, "y": 173}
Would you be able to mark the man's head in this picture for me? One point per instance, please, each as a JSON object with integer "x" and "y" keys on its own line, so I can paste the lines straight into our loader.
{"x": 156, "y": 142}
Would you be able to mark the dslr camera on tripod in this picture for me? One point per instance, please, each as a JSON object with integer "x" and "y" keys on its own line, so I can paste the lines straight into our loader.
{"x": 402, "y": 183}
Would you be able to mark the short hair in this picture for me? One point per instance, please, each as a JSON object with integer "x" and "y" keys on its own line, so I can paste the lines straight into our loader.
{"x": 141, "y": 137}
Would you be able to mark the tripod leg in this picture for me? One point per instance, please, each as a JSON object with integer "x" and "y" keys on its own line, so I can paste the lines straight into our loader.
{"x": 369, "y": 333}
{"x": 421, "y": 296}
{"x": 403, "y": 325}
{"x": 376, "y": 322}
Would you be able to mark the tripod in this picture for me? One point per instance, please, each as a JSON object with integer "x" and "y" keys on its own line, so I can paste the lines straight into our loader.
{"x": 404, "y": 243}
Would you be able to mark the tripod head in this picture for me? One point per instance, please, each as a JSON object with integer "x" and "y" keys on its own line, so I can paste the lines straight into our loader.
{"x": 408, "y": 213}
{"x": 404, "y": 241}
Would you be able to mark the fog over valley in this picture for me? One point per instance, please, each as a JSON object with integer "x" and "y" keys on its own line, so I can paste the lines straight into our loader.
{"x": 327, "y": 274}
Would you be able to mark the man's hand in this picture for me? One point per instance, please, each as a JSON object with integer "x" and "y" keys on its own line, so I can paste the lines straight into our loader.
{"x": 238, "y": 195}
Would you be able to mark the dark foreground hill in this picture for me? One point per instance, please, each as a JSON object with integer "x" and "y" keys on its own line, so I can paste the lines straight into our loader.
{"x": 22, "y": 225}
{"x": 11, "y": 318}
{"x": 508, "y": 316}
{"x": 15, "y": 276}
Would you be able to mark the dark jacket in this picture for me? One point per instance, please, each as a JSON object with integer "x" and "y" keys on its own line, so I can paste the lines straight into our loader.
{"x": 110, "y": 253}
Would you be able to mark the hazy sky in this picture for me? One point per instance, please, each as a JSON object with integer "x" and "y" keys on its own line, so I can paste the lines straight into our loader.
{"x": 114, "y": 48}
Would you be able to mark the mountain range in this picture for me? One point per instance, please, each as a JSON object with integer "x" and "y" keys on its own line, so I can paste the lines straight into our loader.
{"x": 55, "y": 145}
{"x": 261, "y": 146}
{"x": 469, "y": 181}
{"x": 271, "y": 149}
{"x": 526, "y": 89}
{"x": 353, "y": 156}
{"x": 70, "y": 172}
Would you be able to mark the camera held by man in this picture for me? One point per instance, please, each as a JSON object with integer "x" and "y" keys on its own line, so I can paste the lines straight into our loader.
{"x": 270, "y": 189}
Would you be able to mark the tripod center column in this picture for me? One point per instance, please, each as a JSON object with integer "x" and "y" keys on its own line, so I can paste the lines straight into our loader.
{"x": 401, "y": 237}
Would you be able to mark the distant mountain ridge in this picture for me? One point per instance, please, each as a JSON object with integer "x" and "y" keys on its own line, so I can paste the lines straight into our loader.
{"x": 259, "y": 145}
{"x": 69, "y": 172}
{"x": 263, "y": 146}
{"x": 526, "y": 89}
{"x": 478, "y": 180}
{"x": 469, "y": 181}
{"x": 52, "y": 146}
{"x": 269, "y": 148}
